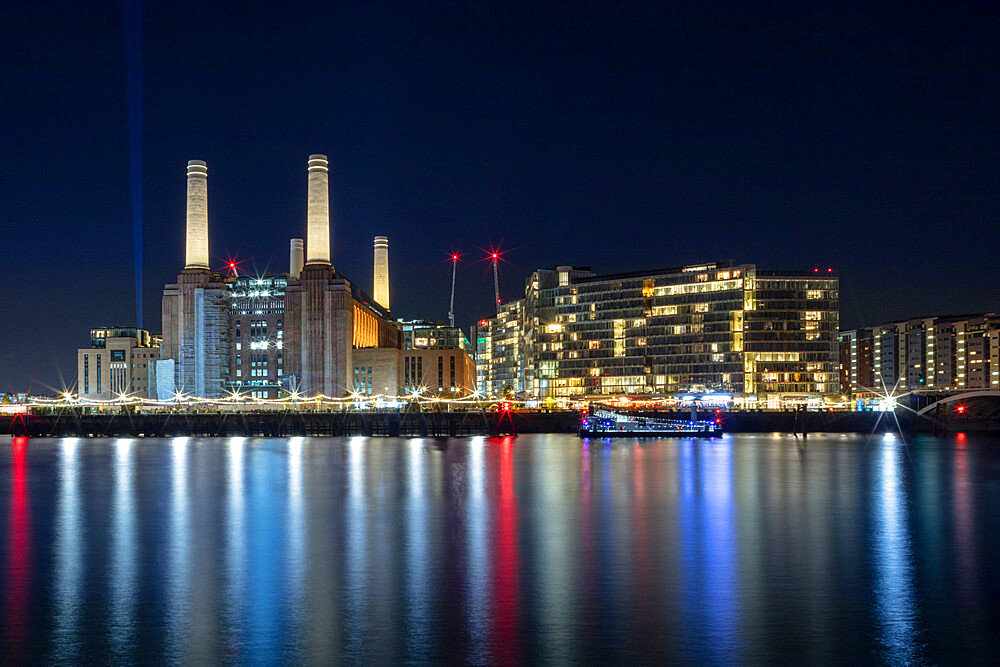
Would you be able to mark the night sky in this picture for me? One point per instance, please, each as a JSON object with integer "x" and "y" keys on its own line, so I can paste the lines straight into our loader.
{"x": 621, "y": 136}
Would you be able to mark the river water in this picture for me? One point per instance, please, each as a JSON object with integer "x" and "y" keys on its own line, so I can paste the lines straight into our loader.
{"x": 747, "y": 548}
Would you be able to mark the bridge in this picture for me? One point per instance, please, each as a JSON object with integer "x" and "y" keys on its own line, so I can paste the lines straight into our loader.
{"x": 934, "y": 410}
{"x": 984, "y": 403}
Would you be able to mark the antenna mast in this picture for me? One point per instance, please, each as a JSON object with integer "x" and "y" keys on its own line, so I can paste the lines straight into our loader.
{"x": 496, "y": 281}
{"x": 451, "y": 306}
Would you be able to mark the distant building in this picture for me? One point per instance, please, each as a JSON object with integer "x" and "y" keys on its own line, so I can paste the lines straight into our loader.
{"x": 506, "y": 361}
{"x": 256, "y": 320}
{"x": 768, "y": 337}
{"x": 429, "y": 335}
{"x": 439, "y": 371}
{"x": 481, "y": 338}
{"x": 432, "y": 372}
{"x": 120, "y": 360}
{"x": 269, "y": 334}
{"x": 376, "y": 371}
{"x": 940, "y": 352}
{"x": 856, "y": 358}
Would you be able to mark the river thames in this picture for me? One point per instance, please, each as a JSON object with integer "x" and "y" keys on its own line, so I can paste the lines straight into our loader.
{"x": 746, "y": 548}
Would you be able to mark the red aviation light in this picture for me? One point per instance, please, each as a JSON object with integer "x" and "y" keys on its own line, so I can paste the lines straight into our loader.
{"x": 232, "y": 264}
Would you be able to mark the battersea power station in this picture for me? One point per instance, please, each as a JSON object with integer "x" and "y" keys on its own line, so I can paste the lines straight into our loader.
{"x": 310, "y": 331}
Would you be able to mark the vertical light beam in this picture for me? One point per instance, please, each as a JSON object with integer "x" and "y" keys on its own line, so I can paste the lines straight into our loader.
{"x": 133, "y": 78}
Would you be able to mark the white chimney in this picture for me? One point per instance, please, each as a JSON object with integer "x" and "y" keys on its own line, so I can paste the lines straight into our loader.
{"x": 296, "y": 253}
{"x": 381, "y": 281}
{"x": 196, "y": 252}
{"x": 318, "y": 211}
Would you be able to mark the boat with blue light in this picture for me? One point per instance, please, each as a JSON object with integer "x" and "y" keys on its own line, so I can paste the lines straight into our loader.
{"x": 602, "y": 421}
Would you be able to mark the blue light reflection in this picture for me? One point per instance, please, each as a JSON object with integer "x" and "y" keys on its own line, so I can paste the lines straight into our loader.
{"x": 895, "y": 600}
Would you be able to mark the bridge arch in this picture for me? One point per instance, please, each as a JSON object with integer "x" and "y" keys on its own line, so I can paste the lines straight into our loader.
{"x": 959, "y": 397}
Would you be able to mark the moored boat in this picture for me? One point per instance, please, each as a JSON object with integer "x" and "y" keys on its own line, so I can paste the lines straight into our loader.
{"x": 602, "y": 421}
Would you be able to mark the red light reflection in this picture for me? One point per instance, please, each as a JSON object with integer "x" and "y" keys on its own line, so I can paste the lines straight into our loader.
{"x": 506, "y": 593}
{"x": 18, "y": 584}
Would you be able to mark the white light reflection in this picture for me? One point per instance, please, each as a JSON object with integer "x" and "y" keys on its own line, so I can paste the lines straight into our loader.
{"x": 355, "y": 447}
{"x": 123, "y": 552}
{"x": 69, "y": 552}
{"x": 357, "y": 562}
{"x": 555, "y": 591}
{"x": 418, "y": 591}
{"x": 478, "y": 559}
{"x": 296, "y": 528}
{"x": 235, "y": 556}
{"x": 179, "y": 550}
{"x": 295, "y": 470}
{"x": 895, "y": 601}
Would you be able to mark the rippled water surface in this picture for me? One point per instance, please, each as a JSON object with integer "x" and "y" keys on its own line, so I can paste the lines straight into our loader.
{"x": 544, "y": 548}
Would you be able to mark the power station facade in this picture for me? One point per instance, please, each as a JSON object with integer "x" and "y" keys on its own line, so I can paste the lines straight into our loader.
{"x": 295, "y": 332}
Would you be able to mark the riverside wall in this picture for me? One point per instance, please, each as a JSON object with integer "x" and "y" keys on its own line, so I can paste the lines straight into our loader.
{"x": 442, "y": 424}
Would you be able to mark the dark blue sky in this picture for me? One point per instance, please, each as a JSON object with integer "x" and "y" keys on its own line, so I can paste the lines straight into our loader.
{"x": 618, "y": 135}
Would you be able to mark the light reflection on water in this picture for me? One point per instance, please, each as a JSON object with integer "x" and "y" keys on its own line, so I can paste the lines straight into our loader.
{"x": 234, "y": 586}
{"x": 124, "y": 558}
{"x": 896, "y": 608}
{"x": 69, "y": 555}
{"x": 179, "y": 553}
{"x": 477, "y": 554}
{"x": 418, "y": 586}
{"x": 539, "y": 548}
